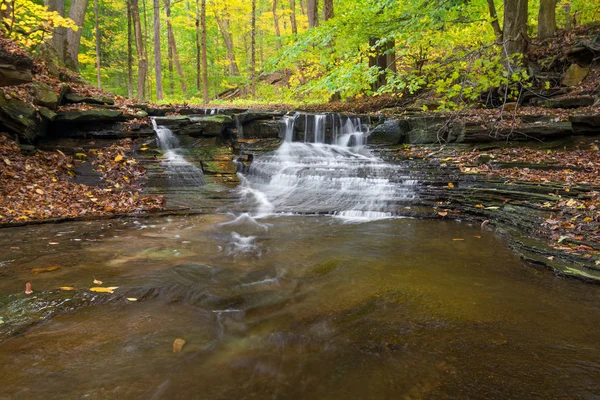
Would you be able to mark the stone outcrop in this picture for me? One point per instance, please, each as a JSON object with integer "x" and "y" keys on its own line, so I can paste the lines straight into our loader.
{"x": 21, "y": 119}
{"x": 15, "y": 69}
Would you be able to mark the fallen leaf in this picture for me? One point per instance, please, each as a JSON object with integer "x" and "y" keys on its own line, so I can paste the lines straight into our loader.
{"x": 132, "y": 299}
{"x": 492, "y": 208}
{"x": 479, "y": 206}
{"x": 442, "y": 213}
{"x": 178, "y": 345}
{"x": 118, "y": 158}
{"x": 7, "y": 161}
{"x": 97, "y": 282}
{"x": 39, "y": 191}
{"x": 53, "y": 243}
{"x": 103, "y": 289}
{"x": 451, "y": 185}
{"x": 67, "y": 288}
{"x": 45, "y": 269}
{"x": 458, "y": 239}
{"x": 28, "y": 289}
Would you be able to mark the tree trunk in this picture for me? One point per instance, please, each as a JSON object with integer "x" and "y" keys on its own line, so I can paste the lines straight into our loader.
{"x": 204, "y": 60}
{"x": 547, "y": 19}
{"x": 293, "y": 17}
{"x": 97, "y": 31}
{"x": 73, "y": 38}
{"x": 253, "y": 49}
{"x": 276, "y": 20}
{"x": 383, "y": 58}
{"x": 129, "y": 54}
{"x": 312, "y": 7}
{"x": 223, "y": 24}
{"x": 303, "y": 7}
{"x": 59, "y": 34}
{"x": 141, "y": 51}
{"x": 327, "y": 10}
{"x": 198, "y": 49}
{"x": 173, "y": 53}
{"x": 495, "y": 22}
{"x": 515, "y": 27}
{"x": 157, "y": 53}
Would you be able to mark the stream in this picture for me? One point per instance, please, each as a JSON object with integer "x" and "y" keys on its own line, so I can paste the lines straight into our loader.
{"x": 317, "y": 292}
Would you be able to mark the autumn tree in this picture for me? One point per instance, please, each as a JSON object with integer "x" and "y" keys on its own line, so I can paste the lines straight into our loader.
{"x": 73, "y": 39}
{"x": 157, "y": 52}
{"x": 141, "y": 50}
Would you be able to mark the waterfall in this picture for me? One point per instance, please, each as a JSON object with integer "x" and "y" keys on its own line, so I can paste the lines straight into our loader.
{"x": 331, "y": 173}
{"x": 179, "y": 171}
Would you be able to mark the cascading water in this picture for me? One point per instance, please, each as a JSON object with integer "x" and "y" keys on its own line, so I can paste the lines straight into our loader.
{"x": 330, "y": 171}
{"x": 179, "y": 171}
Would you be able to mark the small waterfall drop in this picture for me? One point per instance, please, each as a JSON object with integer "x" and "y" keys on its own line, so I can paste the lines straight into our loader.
{"x": 179, "y": 171}
{"x": 329, "y": 171}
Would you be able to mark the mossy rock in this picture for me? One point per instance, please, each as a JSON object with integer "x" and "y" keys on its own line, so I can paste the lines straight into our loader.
{"x": 21, "y": 119}
{"x": 90, "y": 116}
{"x": 44, "y": 96}
{"x": 75, "y": 98}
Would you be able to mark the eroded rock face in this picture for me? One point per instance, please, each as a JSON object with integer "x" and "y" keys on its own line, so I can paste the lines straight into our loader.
{"x": 392, "y": 131}
{"x": 15, "y": 69}
{"x": 44, "y": 96}
{"x": 100, "y": 100}
{"x": 21, "y": 119}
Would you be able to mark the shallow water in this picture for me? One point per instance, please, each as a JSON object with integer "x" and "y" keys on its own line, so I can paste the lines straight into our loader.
{"x": 294, "y": 308}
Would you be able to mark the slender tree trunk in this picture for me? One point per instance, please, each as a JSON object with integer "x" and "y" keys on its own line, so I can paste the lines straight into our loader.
{"x": 129, "y": 53}
{"x": 223, "y": 24}
{"x": 312, "y": 8}
{"x": 293, "y": 17}
{"x": 198, "y": 47}
{"x": 384, "y": 59}
{"x": 547, "y": 19}
{"x": 276, "y": 19}
{"x": 141, "y": 51}
{"x": 173, "y": 54}
{"x": 59, "y": 34}
{"x": 73, "y": 38}
{"x": 303, "y": 7}
{"x": 327, "y": 10}
{"x": 157, "y": 53}
{"x": 204, "y": 58}
{"x": 495, "y": 22}
{"x": 515, "y": 27}
{"x": 253, "y": 49}
{"x": 147, "y": 46}
{"x": 97, "y": 32}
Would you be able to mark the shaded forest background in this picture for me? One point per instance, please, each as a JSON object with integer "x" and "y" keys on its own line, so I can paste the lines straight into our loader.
{"x": 298, "y": 51}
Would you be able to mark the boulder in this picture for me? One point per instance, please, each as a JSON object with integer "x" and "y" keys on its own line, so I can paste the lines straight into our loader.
{"x": 392, "y": 131}
{"x": 574, "y": 75}
{"x": 90, "y": 116}
{"x": 15, "y": 69}
{"x": 21, "y": 119}
{"x": 43, "y": 95}
{"x": 570, "y": 102}
{"x": 75, "y": 98}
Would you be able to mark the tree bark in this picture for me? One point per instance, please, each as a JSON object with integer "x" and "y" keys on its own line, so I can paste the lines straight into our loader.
{"x": 515, "y": 27}
{"x": 198, "y": 48}
{"x": 383, "y": 58}
{"x": 495, "y": 22}
{"x": 223, "y": 24}
{"x": 59, "y": 34}
{"x": 253, "y": 49}
{"x": 547, "y": 19}
{"x": 73, "y": 38}
{"x": 328, "y": 12}
{"x": 312, "y": 9}
{"x": 157, "y": 53}
{"x": 204, "y": 58}
{"x": 303, "y": 7}
{"x": 174, "y": 54}
{"x": 141, "y": 51}
{"x": 276, "y": 19}
{"x": 97, "y": 31}
{"x": 293, "y": 17}
{"x": 129, "y": 53}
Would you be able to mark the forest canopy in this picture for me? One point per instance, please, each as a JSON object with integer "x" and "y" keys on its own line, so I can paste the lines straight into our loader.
{"x": 293, "y": 51}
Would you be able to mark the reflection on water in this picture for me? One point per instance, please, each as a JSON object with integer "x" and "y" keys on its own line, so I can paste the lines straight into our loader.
{"x": 295, "y": 308}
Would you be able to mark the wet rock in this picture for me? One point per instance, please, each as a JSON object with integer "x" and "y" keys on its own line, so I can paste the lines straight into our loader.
{"x": 15, "y": 69}
{"x": 20, "y": 118}
{"x": 75, "y": 98}
{"x": 427, "y": 129}
{"x": 213, "y": 125}
{"x": 90, "y": 116}
{"x": 47, "y": 114}
{"x": 260, "y": 129}
{"x": 392, "y": 131}
{"x": 172, "y": 122}
{"x": 570, "y": 102}
{"x": 574, "y": 75}
{"x": 585, "y": 124}
{"x": 252, "y": 115}
{"x": 44, "y": 96}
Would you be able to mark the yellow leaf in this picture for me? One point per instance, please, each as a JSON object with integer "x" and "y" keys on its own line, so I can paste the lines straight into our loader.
{"x": 132, "y": 299}
{"x": 458, "y": 239}
{"x": 45, "y": 269}
{"x": 67, "y": 288}
{"x": 118, "y": 158}
{"x": 451, "y": 185}
{"x": 178, "y": 345}
{"x": 103, "y": 289}
{"x": 143, "y": 149}
{"x": 7, "y": 161}
{"x": 479, "y": 206}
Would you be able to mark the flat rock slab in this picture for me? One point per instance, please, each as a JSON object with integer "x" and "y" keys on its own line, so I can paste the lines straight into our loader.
{"x": 75, "y": 98}
{"x": 90, "y": 116}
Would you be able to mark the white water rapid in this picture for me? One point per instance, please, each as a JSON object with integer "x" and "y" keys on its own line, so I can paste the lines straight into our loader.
{"x": 179, "y": 171}
{"x": 327, "y": 171}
